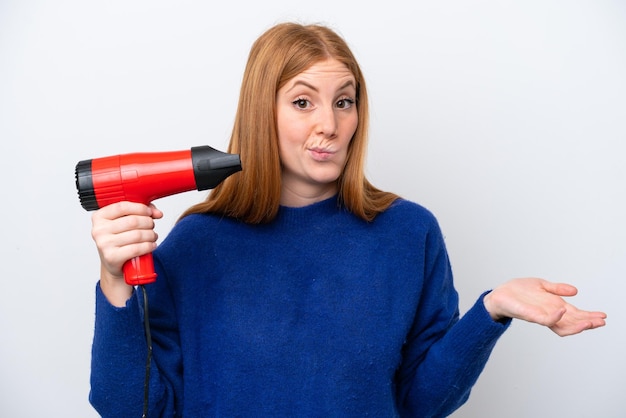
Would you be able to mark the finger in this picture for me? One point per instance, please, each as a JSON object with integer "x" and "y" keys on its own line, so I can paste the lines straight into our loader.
{"x": 134, "y": 236}
{"x": 124, "y": 208}
{"x": 560, "y": 289}
{"x": 132, "y": 223}
{"x": 127, "y": 230}
{"x": 120, "y": 231}
{"x": 573, "y": 328}
{"x": 576, "y": 321}
{"x": 156, "y": 212}
{"x": 112, "y": 260}
{"x": 598, "y": 314}
{"x": 124, "y": 253}
{"x": 117, "y": 249}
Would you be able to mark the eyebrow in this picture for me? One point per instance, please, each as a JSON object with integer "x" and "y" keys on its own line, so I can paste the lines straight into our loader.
{"x": 312, "y": 87}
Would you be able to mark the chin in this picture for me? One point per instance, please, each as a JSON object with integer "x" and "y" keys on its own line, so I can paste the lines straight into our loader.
{"x": 325, "y": 178}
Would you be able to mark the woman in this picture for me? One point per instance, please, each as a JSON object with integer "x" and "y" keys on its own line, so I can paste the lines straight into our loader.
{"x": 298, "y": 288}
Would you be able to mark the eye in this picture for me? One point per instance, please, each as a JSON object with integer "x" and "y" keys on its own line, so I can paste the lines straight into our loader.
{"x": 345, "y": 103}
{"x": 301, "y": 103}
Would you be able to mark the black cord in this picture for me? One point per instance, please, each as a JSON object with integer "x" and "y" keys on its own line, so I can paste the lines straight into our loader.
{"x": 146, "y": 323}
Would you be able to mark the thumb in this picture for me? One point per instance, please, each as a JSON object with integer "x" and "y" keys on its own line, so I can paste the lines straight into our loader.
{"x": 560, "y": 289}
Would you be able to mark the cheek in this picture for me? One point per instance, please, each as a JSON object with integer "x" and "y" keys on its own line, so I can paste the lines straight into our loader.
{"x": 288, "y": 144}
{"x": 349, "y": 127}
{"x": 287, "y": 140}
{"x": 292, "y": 133}
{"x": 284, "y": 126}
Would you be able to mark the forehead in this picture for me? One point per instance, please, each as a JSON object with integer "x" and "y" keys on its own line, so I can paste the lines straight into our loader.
{"x": 327, "y": 71}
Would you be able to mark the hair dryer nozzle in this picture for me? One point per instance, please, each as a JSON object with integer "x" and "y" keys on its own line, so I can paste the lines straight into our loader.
{"x": 211, "y": 167}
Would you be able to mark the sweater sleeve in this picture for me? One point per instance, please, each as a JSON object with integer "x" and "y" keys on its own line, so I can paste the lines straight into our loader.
{"x": 118, "y": 364}
{"x": 443, "y": 355}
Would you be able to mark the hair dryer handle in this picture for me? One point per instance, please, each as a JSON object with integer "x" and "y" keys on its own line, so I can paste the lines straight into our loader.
{"x": 140, "y": 270}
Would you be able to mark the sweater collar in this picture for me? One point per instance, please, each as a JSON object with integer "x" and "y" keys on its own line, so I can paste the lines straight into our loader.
{"x": 304, "y": 214}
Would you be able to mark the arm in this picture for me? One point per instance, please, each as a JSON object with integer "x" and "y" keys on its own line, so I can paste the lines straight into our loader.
{"x": 119, "y": 351}
{"x": 443, "y": 355}
{"x": 118, "y": 363}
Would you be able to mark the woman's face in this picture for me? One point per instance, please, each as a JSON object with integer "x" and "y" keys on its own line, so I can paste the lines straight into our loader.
{"x": 316, "y": 119}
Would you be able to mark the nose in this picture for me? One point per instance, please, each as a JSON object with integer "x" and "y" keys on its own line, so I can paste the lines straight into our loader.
{"x": 327, "y": 122}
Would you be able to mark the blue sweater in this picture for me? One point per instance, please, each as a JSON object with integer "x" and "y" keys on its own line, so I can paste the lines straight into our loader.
{"x": 317, "y": 314}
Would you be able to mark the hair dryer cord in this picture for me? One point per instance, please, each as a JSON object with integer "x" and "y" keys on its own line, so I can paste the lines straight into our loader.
{"x": 146, "y": 322}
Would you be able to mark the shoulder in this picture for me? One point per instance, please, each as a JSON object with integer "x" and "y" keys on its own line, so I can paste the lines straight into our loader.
{"x": 410, "y": 222}
{"x": 203, "y": 221}
{"x": 409, "y": 212}
{"x": 197, "y": 229}
{"x": 191, "y": 224}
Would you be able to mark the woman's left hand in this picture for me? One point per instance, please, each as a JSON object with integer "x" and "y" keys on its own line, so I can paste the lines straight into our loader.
{"x": 540, "y": 301}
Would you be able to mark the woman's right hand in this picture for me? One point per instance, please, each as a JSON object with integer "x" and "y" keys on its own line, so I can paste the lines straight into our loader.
{"x": 122, "y": 231}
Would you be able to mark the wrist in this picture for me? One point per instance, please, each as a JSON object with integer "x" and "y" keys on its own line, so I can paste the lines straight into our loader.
{"x": 491, "y": 308}
{"x": 115, "y": 289}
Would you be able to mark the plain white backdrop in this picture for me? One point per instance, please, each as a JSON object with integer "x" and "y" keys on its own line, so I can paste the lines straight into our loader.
{"x": 506, "y": 118}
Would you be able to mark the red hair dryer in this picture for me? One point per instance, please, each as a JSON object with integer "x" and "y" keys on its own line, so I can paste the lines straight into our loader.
{"x": 144, "y": 177}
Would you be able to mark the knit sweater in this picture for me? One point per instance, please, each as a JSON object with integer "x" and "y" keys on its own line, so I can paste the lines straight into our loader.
{"x": 317, "y": 314}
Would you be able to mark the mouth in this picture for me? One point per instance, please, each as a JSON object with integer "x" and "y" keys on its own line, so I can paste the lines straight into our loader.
{"x": 321, "y": 154}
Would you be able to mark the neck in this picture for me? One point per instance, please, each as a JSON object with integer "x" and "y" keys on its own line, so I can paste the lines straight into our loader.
{"x": 300, "y": 198}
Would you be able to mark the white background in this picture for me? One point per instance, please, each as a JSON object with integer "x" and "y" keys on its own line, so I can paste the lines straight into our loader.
{"x": 506, "y": 118}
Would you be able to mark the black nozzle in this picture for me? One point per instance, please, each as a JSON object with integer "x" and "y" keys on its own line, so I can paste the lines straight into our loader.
{"x": 84, "y": 185}
{"x": 211, "y": 167}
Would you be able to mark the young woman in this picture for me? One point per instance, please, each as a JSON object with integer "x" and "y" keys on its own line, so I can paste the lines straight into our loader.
{"x": 298, "y": 288}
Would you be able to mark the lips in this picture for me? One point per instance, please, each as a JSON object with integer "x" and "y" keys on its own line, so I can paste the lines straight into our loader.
{"x": 321, "y": 154}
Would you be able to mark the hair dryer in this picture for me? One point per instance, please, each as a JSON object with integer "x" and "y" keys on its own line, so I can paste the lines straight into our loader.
{"x": 144, "y": 177}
